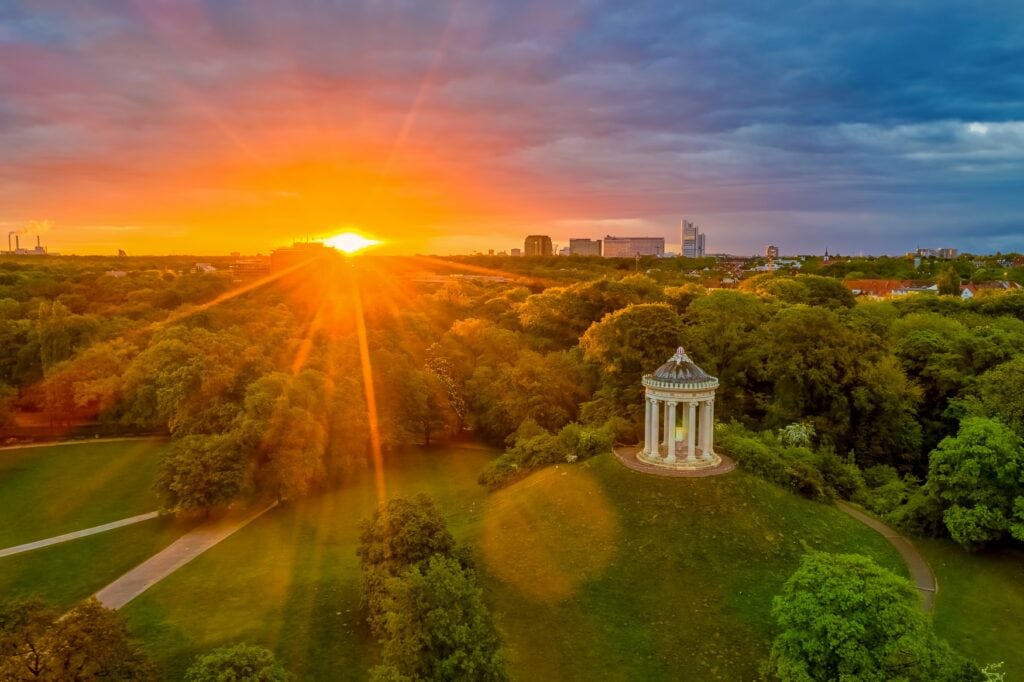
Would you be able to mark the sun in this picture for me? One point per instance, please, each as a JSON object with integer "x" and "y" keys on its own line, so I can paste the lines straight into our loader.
{"x": 350, "y": 242}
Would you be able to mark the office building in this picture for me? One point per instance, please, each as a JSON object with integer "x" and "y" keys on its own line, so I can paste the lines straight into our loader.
{"x": 584, "y": 247}
{"x": 771, "y": 252}
{"x": 692, "y": 240}
{"x": 297, "y": 255}
{"x": 538, "y": 245}
{"x": 516, "y": 252}
{"x": 947, "y": 253}
{"x": 630, "y": 247}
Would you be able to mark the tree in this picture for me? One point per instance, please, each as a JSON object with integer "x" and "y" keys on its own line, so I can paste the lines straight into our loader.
{"x": 436, "y": 626}
{"x": 999, "y": 391}
{"x": 843, "y": 617}
{"x": 722, "y": 335}
{"x": 238, "y": 663}
{"x": 629, "y": 342}
{"x": 38, "y": 642}
{"x": 402, "y": 533}
{"x": 949, "y": 282}
{"x": 979, "y": 476}
{"x": 203, "y": 472}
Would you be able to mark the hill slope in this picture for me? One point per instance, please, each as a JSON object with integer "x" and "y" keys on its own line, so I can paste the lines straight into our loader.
{"x": 600, "y": 572}
{"x": 592, "y": 570}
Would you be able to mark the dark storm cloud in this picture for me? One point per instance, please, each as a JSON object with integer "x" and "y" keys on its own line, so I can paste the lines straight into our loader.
{"x": 909, "y": 114}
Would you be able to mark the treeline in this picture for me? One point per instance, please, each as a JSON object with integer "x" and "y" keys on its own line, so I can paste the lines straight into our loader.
{"x": 266, "y": 393}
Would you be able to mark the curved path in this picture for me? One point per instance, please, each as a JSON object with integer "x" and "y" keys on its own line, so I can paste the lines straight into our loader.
{"x": 920, "y": 572}
{"x": 174, "y": 556}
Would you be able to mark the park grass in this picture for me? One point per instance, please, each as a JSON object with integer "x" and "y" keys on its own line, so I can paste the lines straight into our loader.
{"x": 980, "y": 605}
{"x": 68, "y": 572}
{"x": 52, "y": 490}
{"x": 593, "y": 571}
{"x": 290, "y": 579}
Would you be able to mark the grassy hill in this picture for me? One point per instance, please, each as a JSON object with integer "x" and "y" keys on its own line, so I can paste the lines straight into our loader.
{"x": 592, "y": 571}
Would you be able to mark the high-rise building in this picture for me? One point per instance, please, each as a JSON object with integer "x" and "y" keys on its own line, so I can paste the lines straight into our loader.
{"x": 584, "y": 247}
{"x": 692, "y": 240}
{"x": 538, "y": 245}
{"x": 629, "y": 247}
{"x": 771, "y": 252}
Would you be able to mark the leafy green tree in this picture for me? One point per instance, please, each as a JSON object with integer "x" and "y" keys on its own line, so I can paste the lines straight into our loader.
{"x": 547, "y": 388}
{"x": 979, "y": 476}
{"x": 843, "y": 617}
{"x": 629, "y": 342}
{"x": 40, "y": 642}
{"x": 402, "y": 533}
{"x": 436, "y": 626}
{"x": 283, "y": 425}
{"x": 559, "y": 316}
{"x": 1000, "y": 394}
{"x": 203, "y": 472}
{"x": 238, "y": 663}
{"x": 722, "y": 335}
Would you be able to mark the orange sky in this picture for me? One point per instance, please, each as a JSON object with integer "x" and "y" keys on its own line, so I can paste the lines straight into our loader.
{"x": 201, "y": 126}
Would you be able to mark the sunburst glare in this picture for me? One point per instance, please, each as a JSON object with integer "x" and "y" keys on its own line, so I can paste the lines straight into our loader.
{"x": 350, "y": 242}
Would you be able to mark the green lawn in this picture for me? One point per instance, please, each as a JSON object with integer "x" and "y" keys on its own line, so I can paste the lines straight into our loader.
{"x": 290, "y": 579}
{"x": 593, "y": 572}
{"x": 49, "y": 491}
{"x": 980, "y": 606}
{"x": 74, "y": 570}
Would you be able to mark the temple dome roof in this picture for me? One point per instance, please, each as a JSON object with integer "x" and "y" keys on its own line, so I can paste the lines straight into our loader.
{"x": 680, "y": 369}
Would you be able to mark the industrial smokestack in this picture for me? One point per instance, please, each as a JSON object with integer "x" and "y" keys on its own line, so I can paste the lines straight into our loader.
{"x": 17, "y": 242}
{"x": 39, "y": 242}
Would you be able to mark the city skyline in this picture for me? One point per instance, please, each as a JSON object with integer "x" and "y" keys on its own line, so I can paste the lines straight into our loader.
{"x": 173, "y": 128}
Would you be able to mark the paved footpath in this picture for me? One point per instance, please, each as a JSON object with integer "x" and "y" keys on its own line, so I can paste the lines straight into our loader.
{"x": 79, "y": 441}
{"x": 174, "y": 556}
{"x": 920, "y": 572}
{"x": 29, "y": 546}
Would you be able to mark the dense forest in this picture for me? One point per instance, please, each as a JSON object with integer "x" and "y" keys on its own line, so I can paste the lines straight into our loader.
{"x": 912, "y": 407}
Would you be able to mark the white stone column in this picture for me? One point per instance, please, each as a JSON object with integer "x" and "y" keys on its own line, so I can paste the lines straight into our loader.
{"x": 670, "y": 452}
{"x": 709, "y": 429}
{"x": 655, "y": 423}
{"x": 647, "y": 424}
{"x": 691, "y": 432}
{"x": 664, "y": 426}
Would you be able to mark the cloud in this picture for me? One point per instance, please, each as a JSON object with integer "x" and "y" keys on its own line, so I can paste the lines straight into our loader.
{"x": 478, "y": 118}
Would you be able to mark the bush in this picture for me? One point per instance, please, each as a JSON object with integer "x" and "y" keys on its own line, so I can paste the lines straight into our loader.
{"x": 763, "y": 456}
{"x": 239, "y": 663}
{"x": 532, "y": 450}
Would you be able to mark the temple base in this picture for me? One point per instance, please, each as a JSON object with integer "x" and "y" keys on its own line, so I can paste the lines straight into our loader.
{"x": 701, "y": 459}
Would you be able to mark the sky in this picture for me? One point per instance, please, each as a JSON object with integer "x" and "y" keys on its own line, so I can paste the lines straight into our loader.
{"x": 180, "y": 126}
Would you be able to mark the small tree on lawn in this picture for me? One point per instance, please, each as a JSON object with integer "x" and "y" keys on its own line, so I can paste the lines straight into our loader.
{"x": 979, "y": 476}
{"x": 843, "y": 617}
{"x": 239, "y": 663}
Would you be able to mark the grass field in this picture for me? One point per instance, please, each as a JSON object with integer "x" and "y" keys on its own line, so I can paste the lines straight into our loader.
{"x": 980, "y": 606}
{"x": 47, "y": 491}
{"x": 70, "y": 571}
{"x": 593, "y": 571}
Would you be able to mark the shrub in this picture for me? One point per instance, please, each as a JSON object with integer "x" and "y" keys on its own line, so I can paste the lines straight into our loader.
{"x": 239, "y": 663}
